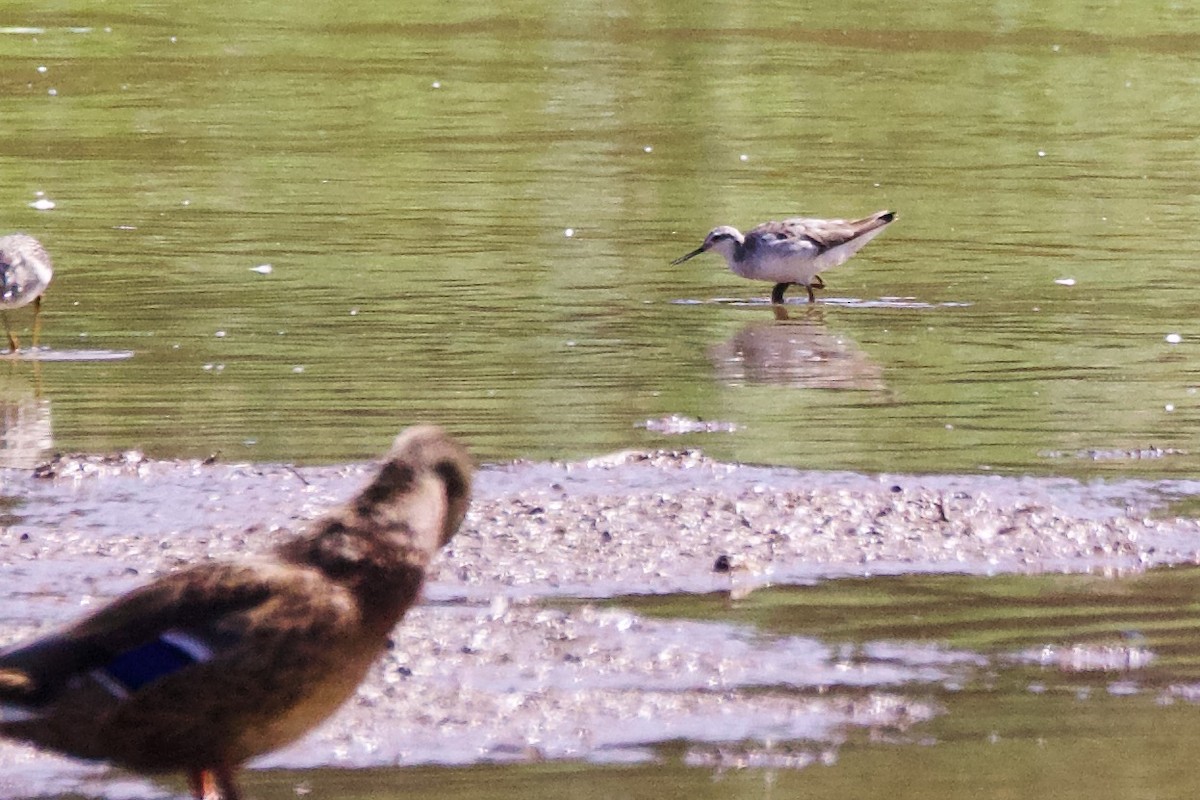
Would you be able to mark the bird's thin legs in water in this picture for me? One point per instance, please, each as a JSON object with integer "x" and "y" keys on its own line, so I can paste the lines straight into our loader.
{"x": 37, "y": 319}
{"x": 817, "y": 283}
{"x": 777, "y": 293}
{"x": 13, "y": 344}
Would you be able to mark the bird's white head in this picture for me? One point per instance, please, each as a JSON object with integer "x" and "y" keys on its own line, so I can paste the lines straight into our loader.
{"x": 724, "y": 240}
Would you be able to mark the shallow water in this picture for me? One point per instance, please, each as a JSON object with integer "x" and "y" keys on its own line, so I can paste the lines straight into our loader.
{"x": 469, "y": 217}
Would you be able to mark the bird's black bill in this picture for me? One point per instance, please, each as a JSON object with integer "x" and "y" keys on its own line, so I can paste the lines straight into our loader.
{"x": 692, "y": 254}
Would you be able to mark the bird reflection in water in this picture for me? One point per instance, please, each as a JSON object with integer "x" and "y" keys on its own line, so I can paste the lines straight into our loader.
{"x": 26, "y": 438}
{"x": 798, "y": 352}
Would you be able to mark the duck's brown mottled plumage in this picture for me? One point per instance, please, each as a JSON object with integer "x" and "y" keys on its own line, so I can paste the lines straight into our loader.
{"x": 290, "y": 636}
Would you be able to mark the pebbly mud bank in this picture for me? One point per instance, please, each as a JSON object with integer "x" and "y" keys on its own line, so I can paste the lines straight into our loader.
{"x": 504, "y": 662}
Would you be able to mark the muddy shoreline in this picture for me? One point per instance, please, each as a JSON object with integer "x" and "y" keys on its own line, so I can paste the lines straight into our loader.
{"x": 628, "y": 523}
{"x": 494, "y": 668}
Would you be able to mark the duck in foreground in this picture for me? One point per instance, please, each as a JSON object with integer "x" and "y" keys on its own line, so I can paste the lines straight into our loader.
{"x": 25, "y": 272}
{"x": 794, "y": 251}
{"x": 211, "y": 666}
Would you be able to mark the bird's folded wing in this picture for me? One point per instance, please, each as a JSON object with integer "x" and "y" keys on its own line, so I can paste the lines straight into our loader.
{"x": 138, "y": 637}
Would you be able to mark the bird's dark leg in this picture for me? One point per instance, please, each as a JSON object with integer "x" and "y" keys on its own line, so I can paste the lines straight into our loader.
{"x": 37, "y": 319}
{"x": 816, "y": 283}
{"x": 777, "y": 292}
{"x": 226, "y": 788}
{"x": 12, "y": 340}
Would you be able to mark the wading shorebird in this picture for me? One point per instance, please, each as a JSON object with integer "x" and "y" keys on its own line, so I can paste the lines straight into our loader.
{"x": 794, "y": 251}
{"x": 25, "y": 272}
{"x": 213, "y": 665}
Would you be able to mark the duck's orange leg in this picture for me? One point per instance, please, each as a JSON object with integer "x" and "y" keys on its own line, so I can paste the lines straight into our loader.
{"x": 200, "y": 783}
{"x": 213, "y": 784}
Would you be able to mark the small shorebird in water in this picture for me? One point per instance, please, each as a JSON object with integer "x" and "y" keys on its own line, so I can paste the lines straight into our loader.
{"x": 793, "y": 251}
{"x": 219, "y": 662}
{"x": 25, "y": 272}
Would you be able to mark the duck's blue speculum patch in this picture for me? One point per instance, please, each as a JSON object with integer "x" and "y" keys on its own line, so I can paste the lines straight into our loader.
{"x": 135, "y": 668}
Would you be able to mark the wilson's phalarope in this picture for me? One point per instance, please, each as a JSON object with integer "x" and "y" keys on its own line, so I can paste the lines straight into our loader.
{"x": 792, "y": 251}
{"x": 25, "y": 272}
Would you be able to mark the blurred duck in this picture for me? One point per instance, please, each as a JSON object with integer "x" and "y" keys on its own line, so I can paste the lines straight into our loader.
{"x": 211, "y": 666}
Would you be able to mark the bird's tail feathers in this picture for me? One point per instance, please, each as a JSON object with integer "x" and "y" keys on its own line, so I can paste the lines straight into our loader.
{"x": 16, "y": 690}
{"x": 877, "y": 220}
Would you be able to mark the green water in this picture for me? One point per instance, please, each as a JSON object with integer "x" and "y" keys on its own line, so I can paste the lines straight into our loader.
{"x": 410, "y": 172}
{"x": 1025, "y": 725}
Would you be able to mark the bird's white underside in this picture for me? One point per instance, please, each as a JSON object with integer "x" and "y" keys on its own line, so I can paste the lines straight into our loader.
{"x": 795, "y": 260}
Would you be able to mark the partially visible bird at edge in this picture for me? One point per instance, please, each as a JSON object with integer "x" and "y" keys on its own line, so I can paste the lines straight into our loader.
{"x": 208, "y": 667}
{"x": 25, "y": 272}
{"x": 794, "y": 251}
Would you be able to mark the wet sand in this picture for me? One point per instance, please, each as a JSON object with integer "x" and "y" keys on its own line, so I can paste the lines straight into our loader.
{"x": 502, "y": 664}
